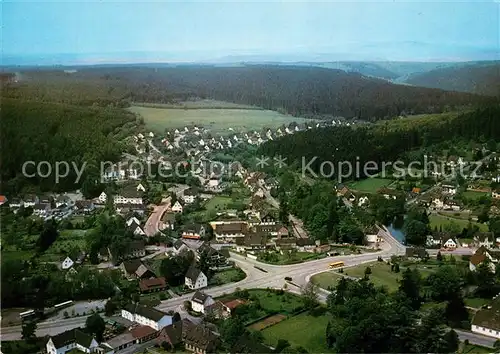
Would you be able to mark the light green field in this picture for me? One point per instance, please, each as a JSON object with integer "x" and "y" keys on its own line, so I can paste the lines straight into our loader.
{"x": 302, "y": 330}
{"x": 474, "y": 195}
{"x": 216, "y": 120}
{"x": 218, "y": 203}
{"x": 369, "y": 185}
{"x": 441, "y": 221}
{"x": 326, "y": 279}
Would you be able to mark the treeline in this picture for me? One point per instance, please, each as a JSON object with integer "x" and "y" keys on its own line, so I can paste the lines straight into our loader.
{"x": 296, "y": 90}
{"x": 46, "y": 131}
{"x": 380, "y": 143}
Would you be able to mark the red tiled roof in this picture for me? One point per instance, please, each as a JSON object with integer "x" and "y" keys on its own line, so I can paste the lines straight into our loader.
{"x": 234, "y": 303}
{"x": 146, "y": 284}
{"x": 142, "y": 331}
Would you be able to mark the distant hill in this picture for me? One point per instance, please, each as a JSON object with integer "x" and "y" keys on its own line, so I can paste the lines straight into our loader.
{"x": 478, "y": 78}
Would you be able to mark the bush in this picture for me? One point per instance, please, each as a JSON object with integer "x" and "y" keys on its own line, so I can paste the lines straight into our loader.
{"x": 162, "y": 296}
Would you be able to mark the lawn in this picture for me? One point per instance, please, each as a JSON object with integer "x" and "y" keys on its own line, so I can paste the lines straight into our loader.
{"x": 154, "y": 299}
{"x": 474, "y": 195}
{"x": 369, "y": 185}
{"x": 476, "y": 302}
{"x": 473, "y": 349}
{"x": 440, "y": 221}
{"x": 218, "y": 203}
{"x": 272, "y": 301}
{"x": 302, "y": 330}
{"x": 216, "y": 120}
{"x": 293, "y": 258}
{"x": 227, "y": 276}
{"x": 326, "y": 279}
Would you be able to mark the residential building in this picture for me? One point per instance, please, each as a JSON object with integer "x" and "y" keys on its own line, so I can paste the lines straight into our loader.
{"x": 267, "y": 219}
{"x": 449, "y": 242}
{"x": 194, "y": 231}
{"x": 195, "y": 278}
{"x": 84, "y": 206}
{"x": 189, "y": 195}
{"x": 152, "y": 285}
{"x": 63, "y": 200}
{"x": 231, "y": 305}
{"x": 218, "y": 310}
{"x": 30, "y": 201}
{"x": 128, "y": 195}
{"x": 200, "y": 301}
{"x": 74, "y": 339}
{"x": 449, "y": 189}
{"x": 168, "y": 221}
{"x": 102, "y": 198}
{"x": 15, "y": 203}
{"x": 136, "y": 249}
{"x": 136, "y": 229}
{"x": 146, "y": 316}
{"x": 135, "y": 269}
{"x": 485, "y": 239}
{"x": 132, "y": 220}
{"x": 486, "y": 321}
{"x": 433, "y": 242}
{"x": 416, "y": 253}
{"x": 495, "y": 194}
{"x": 177, "y": 207}
{"x": 136, "y": 335}
{"x": 215, "y": 258}
{"x": 196, "y": 338}
{"x": 229, "y": 231}
{"x": 67, "y": 263}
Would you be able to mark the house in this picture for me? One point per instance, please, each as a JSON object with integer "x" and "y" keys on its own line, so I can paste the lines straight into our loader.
{"x": 229, "y": 231}
{"x": 196, "y": 338}
{"x": 194, "y": 231}
{"x": 190, "y": 195}
{"x": 179, "y": 247}
{"x": 134, "y": 268}
{"x": 363, "y": 201}
{"x": 200, "y": 301}
{"x": 195, "y": 278}
{"x": 283, "y": 232}
{"x": 486, "y": 321}
{"x": 253, "y": 240}
{"x": 432, "y": 242}
{"x": 133, "y": 220}
{"x": 136, "y": 249}
{"x": 168, "y": 221}
{"x": 416, "y": 253}
{"x": 388, "y": 193}
{"x": 84, "y": 206}
{"x": 67, "y": 263}
{"x": 152, "y": 285}
{"x": 177, "y": 207}
{"x": 343, "y": 191}
{"x": 218, "y": 310}
{"x": 136, "y": 335}
{"x": 215, "y": 258}
{"x": 41, "y": 209}
{"x": 495, "y": 193}
{"x": 213, "y": 182}
{"x": 267, "y": 219}
{"x": 136, "y": 228}
{"x": 30, "y": 201}
{"x": 437, "y": 203}
{"x": 449, "y": 242}
{"x": 128, "y": 195}
{"x": 449, "y": 189}
{"x": 484, "y": 239}
{"x": 231, "y": 305}
{"x": 102, "y": 198}
{"x": 146, "y": 316}
{"x": 15, "y": 203}
{"x": 74, "y": 339}
{"x": 63, "y": 200}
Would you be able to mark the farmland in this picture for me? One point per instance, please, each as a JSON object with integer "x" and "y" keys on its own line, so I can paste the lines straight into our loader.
{"x": 216, "y": 120}
{"x": 439, "y": 221}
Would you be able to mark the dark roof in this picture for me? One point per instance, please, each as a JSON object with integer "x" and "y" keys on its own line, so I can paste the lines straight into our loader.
{"x": 168, "y": 217}
{"x": 229, "y": 228}
{"x": 174, "y": 331}
{"x": 477, "y": 259}
{"x": 148, "y": 312}
{"x": 193, "y": 228}
{"x": 153, "y": 283}
{"x": 255, "y": 238}
{"x": 193, "y": 273}
{"x": 72, "y": 336}
{"x": 136, "y": 245}
{"x": 489, "y": 317}
{"x": 191, "y": 191}
{"x": 483, "y": 236}
{"x": 132, "y": 265}
{"x": 142, "y": 331}
{"x": 200, "y": 337}
{"x": 246, "y": 345}
{"x": 200, "y": 297}
{"x": 415, "y": 252}
{"x": 41, "y": 206}
{"x": 82, "y": 204}
{"x": 130, "y": 191}
{"x": 232, "y": 304}
{"x": 178, "y": 244}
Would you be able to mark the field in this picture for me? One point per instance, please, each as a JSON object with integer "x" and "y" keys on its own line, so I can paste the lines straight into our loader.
{"x": 326, "y": 279}
{"x": 227, "y": 276}
{"x": 476, "y": 302}
{"x": 302, "y": 330}
{"x": 369, "y": 185}
{"x": 274, "y": 302}
{"x": 218, "y": 203}
{"x": 267, "y": 322}
{"x": 441, "y": 221}
{"x": 474, "y": 195}
{"x": 215, "y": 119}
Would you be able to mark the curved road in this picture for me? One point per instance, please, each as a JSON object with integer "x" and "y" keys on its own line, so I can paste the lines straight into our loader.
{"x": 152, "y": 226}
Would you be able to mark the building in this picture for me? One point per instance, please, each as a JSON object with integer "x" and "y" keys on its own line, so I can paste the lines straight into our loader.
{"x": 449, "y": 189}
{"x": 152, "y": 285}
{"x": 229, "y": 231}
{"x": 189, "y": 195}
{"x": 416, "y": 253}
{"x": 449, "y": 242}
{"x": 481, "y": 255}
{"x": 484, "y": 239}
{"x": 487, "y": 320}
{"x": 201, "y": 340}
{"x": 495, "y": 193}
{"x": 201, "y": 301}
{"x": 136, "y": 335}
{"x": 135, "y": 269}
{"x": 84, "y": 206}
{"x": 231, "y": 305}
{"x": 41, "y": 209}
{"x": 146, "y": 316}
{"x": 67, "y": 263}
{"x": 215, "y": 258}
{"x": 194, "y": 231}
{"x": 177, "y": 207}
{"x": 195, "y": 278}
{"x": 128, "y": 195}
{"x": 71, "y": 340}
{"x": 63, "y": 200}
{"x": 29, "y": 201}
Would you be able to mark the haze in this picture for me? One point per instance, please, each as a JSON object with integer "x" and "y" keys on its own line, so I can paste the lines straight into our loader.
{"x": 41, "y": 32}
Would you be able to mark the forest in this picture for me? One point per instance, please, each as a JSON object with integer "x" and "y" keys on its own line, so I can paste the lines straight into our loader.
{"x": 384, "y": 141}
{"x": 297, "y": 90}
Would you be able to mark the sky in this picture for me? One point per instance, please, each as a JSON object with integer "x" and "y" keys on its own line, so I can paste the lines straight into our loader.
{"x": 204, "y": 30}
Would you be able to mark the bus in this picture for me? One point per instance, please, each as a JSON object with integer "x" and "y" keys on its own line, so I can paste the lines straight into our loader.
{"x": 63, "y": 305}
{"x": 337, "y": 264}
{"x": 27, "y": 315}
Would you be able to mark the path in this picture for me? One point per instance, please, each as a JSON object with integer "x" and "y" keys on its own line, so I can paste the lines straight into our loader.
{"x": 152, "y": 226}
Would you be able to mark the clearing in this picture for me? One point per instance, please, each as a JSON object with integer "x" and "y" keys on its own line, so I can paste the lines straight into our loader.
{"x": 439, "y": 221}
{"x": 215, "y": 119}
{"x": 226, "y": 276}
{"x": 302, "y": 330}
{"x": 326, "y": 280}
{"x": 369, "y": 185}
{"x": 474, "y": 195}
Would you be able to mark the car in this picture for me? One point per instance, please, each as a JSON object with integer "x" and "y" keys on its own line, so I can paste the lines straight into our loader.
{"x": 288, "y": 278}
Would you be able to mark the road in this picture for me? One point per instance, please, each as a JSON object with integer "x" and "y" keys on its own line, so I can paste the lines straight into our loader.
{"x": 474, "y": 338}
{"x": 152, "y": 226}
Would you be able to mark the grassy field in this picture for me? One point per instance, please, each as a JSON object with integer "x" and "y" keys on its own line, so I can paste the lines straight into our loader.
{"x": 369, "y": 185}
{"x": 473, "y": 349}
{"x": 283, "y": 259}
{"x": 216, "y": 120}
{"x": 476, "y": 302}
{"x": 218, "y": 203}
{"x": 227, "y": 276}
{"x": 326, "y": 279}
{"x": 474, "y": 195}
{"x": 441, "y": 221}
{"x": 302, "y": 330}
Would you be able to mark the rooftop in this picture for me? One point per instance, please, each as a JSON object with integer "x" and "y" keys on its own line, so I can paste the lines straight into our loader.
{"x": 145, "y": 311}
{"x": 72, "y": 336}
{"x": 489, "y": 317}
{"x": 147, "y": 284}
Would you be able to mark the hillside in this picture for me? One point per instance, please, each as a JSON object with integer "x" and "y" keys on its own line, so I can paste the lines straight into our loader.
{"x": 483, "y": 79}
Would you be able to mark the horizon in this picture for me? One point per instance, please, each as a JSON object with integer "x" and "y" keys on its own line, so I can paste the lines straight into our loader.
{"x": 163, "y": 32}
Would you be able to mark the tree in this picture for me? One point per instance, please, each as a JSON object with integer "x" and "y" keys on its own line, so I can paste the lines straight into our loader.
{"x": 95, "y": 325}
{"x": 283, "y": 215}
{"x": 439, "y": 257}
{"x": 410, "y": 286}
{"x": 310, "y": 295}
{"x": 110, "y": 308}
{"x": 444, "y": 283}
{"x": 456, "y": 312}
{"x": 281, "y": 345}
{"x": 48, "y": 235}
{"x": 28, "y": 330}
{"x": 368, "y": 271}
{"x": 452, "y": 341}
{"x": 416, "y": 232}
{"x": 176, "y": 317}
{"x": 231, "y": 330}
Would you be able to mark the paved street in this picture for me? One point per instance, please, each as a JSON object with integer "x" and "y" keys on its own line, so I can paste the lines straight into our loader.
{"x": 152, "y": 226}
{"x": 476, "y": 338}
